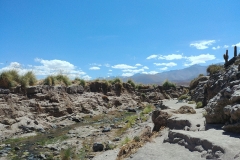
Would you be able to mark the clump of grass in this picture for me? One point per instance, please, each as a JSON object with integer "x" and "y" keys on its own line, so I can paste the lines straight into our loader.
{"x": 147, "y": 109}
{"x": 191, "y": 102}
{"x": 131, "y": 120}
{"x": 52, "y": 140}
{"x": 11, "y": 78}
{"x": 184, "y": 96}
{"x": 28, "y": 79}
{"x": 136, "y": 139}
{"x": 81, "y": 82}
{"x": 131, "y": 83}
{"x": 125, "y": 141}
{"x": 212, "y": 69}
{"x": 66, "y": 154}
{"x": 58, "y": 79}
{"x": 199, "y": 105}
{"x": 167, "y": 85}
{"x": 117, "y": 80}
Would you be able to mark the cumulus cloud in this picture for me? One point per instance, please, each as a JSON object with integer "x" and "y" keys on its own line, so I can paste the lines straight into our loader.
{"x": 164, "y": 68}
{"x": 94, "y": 68}
{"x": 48, "y": 67}
{"x": 215, "y": 48}
{"x": 171, "y": 57}
{"x": 199, "y": 59}
{"x": 170, "y": 64}
{"x": 145, "y": 67}
{"x": 15, "y": 66}
{"x": 225, "y": 46}
{"x": 238, "y": 45}
{"x": 123, "y": 66}
{"x": 107, "y": 65}
{"x": 150, "y": 72}
{"x": 138, "y": 65}
{"x": 202, "y": 44}
{"x": 152, "y": 56}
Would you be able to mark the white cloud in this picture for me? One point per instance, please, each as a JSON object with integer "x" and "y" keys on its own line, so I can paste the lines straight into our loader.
{"x": 152, "y": 56}
{"x": 95, "y": 64}
{"x": 225, "y": 46}
{"x": 138, "y": 65}
{"x": 107, "y": 65}
{"x": 238, "y": 45}
{"x": 110, "y": 70}
{"x": 171, "y": 56}
{"x": 164, "y": 68}
{"x": 202, "y": 44}
{"x": 215, "y": 48}
{"x": 94, "y": 68}
{"x": 86, "y": 77}
{"x": 123, "y": 66}
{"x": 145, "y": 67}
{"x": 151, "y": 72}
{"x": 170, "y": 64}
{"x": 48, "y": 67}
{"x": 127, "y": 74}
{"x": 199, "y": 59}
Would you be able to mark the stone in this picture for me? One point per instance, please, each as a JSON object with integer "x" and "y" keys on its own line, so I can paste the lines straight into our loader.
{"x": 159, "y": 118}
{"x": 106, "y": 129}
{"x": 97, "y": 146}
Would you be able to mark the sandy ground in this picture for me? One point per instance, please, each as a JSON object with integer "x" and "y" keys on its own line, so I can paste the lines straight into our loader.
{"x": 166, "y": 151}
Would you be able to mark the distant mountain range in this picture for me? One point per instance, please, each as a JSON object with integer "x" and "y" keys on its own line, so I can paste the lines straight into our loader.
{"x": 180, "y": 77}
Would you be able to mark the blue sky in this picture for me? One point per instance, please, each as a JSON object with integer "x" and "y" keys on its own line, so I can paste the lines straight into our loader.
{"x": 101, "y": 38}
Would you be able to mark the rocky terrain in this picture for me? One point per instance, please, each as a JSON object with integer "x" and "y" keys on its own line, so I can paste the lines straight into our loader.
{"x": 119, "y": 121}
{"x": 44, "y": 121}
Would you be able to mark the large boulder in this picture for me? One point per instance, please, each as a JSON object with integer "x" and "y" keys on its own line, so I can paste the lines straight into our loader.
{"x": 75, "y": 89}
{"x": 160, "y": 119}
{"x": 97, "y": 147}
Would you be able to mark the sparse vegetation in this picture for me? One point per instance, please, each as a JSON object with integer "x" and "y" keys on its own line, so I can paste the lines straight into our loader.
{"x": 199, "y": 105}
{"x": 184, "y": 96}
{"x": 11, "y": 78}
{"x": 136, "y": 138}
{"x": 212, "y": 69}
{"x": 147, "y": 109}
{"x": 191, "y": 102}
{"x": 58, "y": 79}
{"x": 131, "y": 83}
{"x": 125, "y": 141}
{"x": 167, "y": 85}
{"x": 81, "y": 82}
{"x": 117, "y": 80}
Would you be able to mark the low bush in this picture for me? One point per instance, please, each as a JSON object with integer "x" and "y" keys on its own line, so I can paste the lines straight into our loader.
{"x": 148, "y": 109}
{"x": 117, "y": 80}
{"x": 199, "y": 105}
{"x": 212, "y": 69}
{"x": 131, "y": 83}
{"x": 58, "y": 79}
{"x": 11, "y": 78}
{"x": 81, "y": 82}
{"x": 191, "y": 102}
{"x": 184, "y": 96}
{"x": 167, "y": 85}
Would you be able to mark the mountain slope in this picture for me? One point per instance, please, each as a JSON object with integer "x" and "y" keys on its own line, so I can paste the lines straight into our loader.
{"x": 182, "y": 76}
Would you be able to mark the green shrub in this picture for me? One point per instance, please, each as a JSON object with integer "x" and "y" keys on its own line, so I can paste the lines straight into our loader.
{"x": 167, "y": 85}
{"x": 184, "y": 96}
{"x": 191, "y": 102}
{"x": 63, "y": 79}
{"x": 125, "y": 141}
{"x": 199, "y": 105}
{"x": 58, "y": 79}
{"x": 147, "y": 109}
{"x": 212, "y": 69}
{"x": 136, "y": 139}
{"x": 11, "y": 78}
{"x": 131, "y": 83}
{"x": 28, "y": 79}
{"x": 117, "y": 80}
{"x": 81, "y": 82}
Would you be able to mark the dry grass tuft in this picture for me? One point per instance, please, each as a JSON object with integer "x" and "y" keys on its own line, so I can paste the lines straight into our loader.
{"x": 132, "y": 146}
